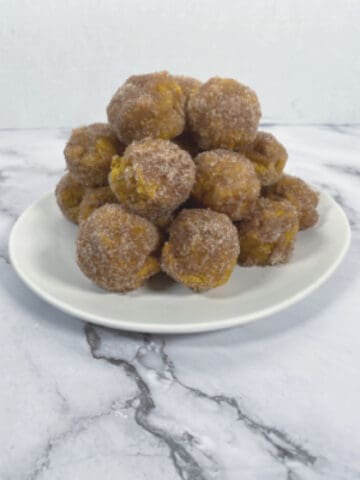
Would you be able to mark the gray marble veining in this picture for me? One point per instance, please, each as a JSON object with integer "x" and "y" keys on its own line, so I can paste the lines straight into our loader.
{"x": 275, "y": 399}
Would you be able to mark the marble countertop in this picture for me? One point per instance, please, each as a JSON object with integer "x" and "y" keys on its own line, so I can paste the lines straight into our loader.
{"x": 275, "y": 399}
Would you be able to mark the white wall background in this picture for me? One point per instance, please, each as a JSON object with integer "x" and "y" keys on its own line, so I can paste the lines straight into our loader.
{"x": 60, "y": 61}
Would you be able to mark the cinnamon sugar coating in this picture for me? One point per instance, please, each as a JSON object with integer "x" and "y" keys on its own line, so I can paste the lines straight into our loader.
{"x": 202, "y": 249}
{"x": 152, "y": 178}
{"x": 151, "y": 105}
{"x": 268, "y": 156}
{"x": 89, "y": 152}
{"x": 299, "y": 194}
{"x": 223, "y": 113}
{"x": 226, "y": 182}
{"x": 69, "y": 194}
{"x": 115, "y": 248}
{"x": 95, "y": 198}
{"x": 268, "y": 236}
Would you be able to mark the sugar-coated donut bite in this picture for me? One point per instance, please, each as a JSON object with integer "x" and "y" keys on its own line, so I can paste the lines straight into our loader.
{"x": 151, "y": 105}
{"x": 93, "y": 199}
{"x": 152, "y": 178}
{"x": 180, "y": 179}
{"x": 89, "y": 152}
{"x": 297, "y": 192}
{"x": 223, "y": 113}
{"x": 69, "y": 194}
{"x": 226, "y": 182}
{"x": 268, "y": 156}
{"x": 202, "y": 249}
{"x": 268, "y": 236}
{"x": 115, "y": 248}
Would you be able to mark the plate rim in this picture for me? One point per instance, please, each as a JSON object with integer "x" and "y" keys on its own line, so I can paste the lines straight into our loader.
{"x": 175, "y": 328}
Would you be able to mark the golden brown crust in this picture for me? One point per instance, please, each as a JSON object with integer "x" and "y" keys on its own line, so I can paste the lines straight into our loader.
{"x": 151, "y": 105}
{"x": 202, "y": 249}
{"x": 226, "y": 182}
{"x": 89, "y": 152}
{"x": 114, "y": 248}
{"x": 223, "y": 113}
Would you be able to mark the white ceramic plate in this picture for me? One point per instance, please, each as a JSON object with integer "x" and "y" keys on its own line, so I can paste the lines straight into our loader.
{"x": 42, "y": 251}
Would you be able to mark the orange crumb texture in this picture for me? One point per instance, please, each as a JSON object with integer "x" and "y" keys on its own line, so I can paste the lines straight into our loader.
{"x": 180, "y": 179}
